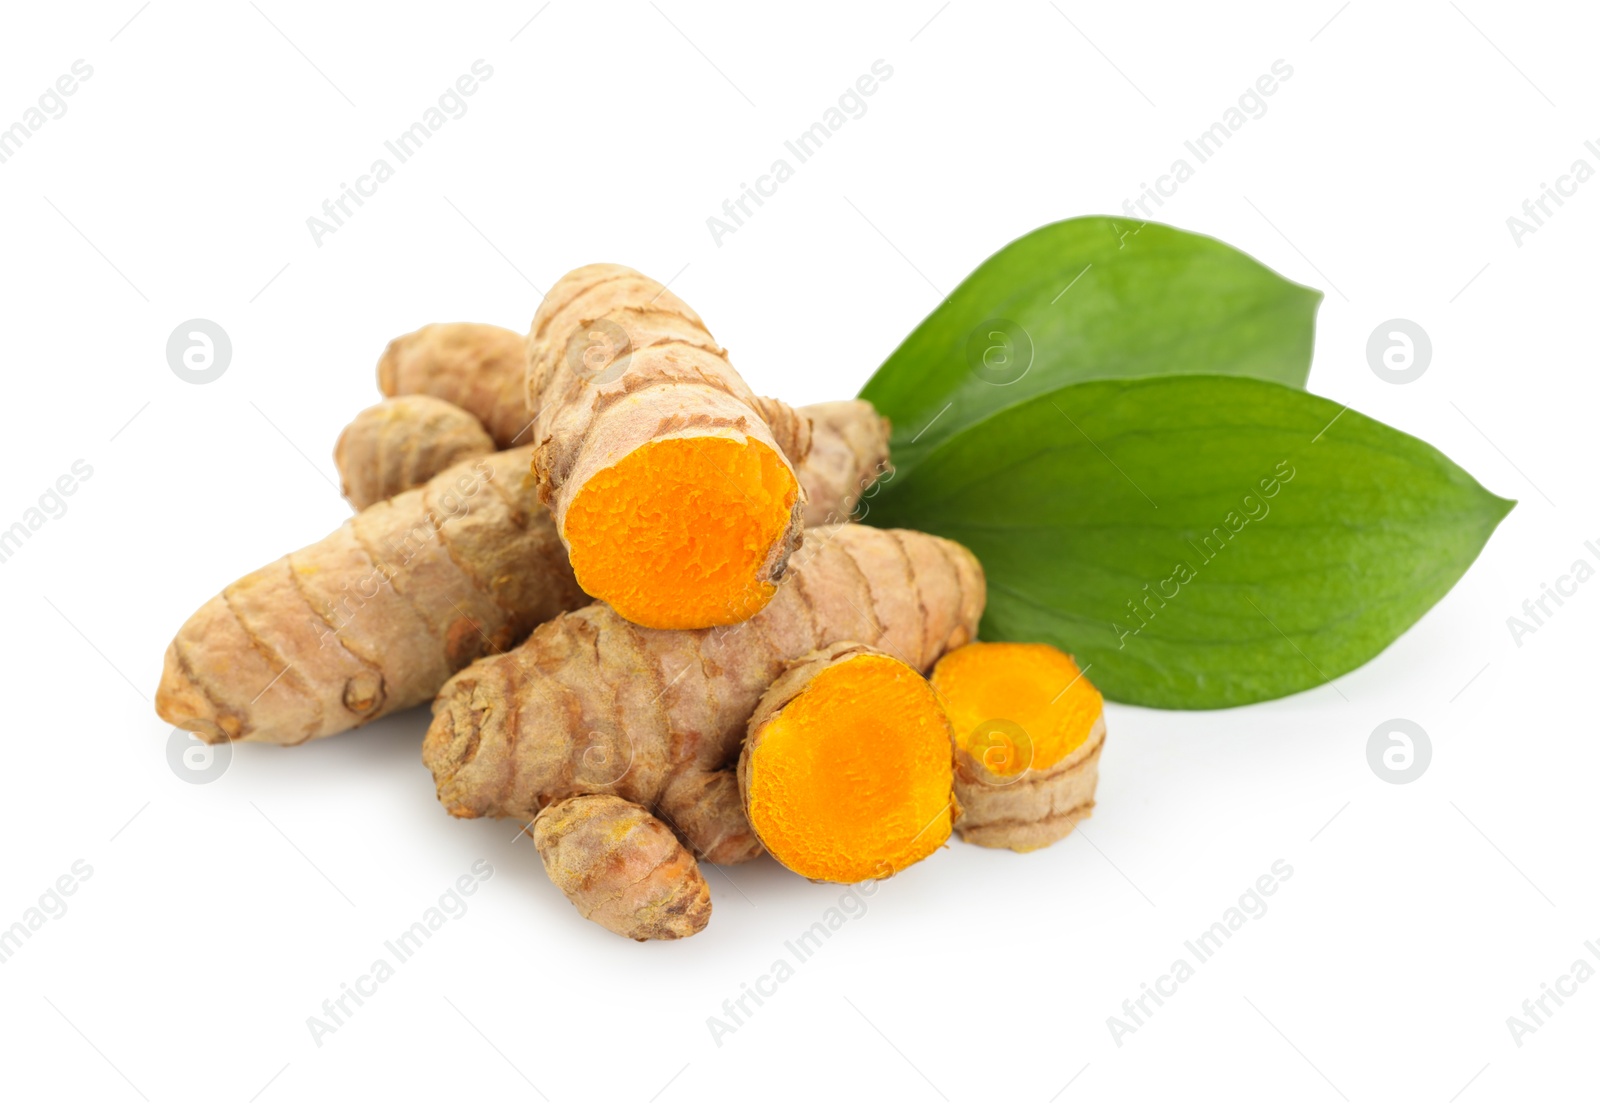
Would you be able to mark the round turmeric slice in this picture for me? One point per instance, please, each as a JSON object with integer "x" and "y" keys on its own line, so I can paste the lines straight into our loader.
{"x": 846, "y": 772}
{"x": 1028, "y": 732}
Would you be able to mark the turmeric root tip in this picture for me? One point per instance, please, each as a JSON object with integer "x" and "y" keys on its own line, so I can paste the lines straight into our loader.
{"x": 478, "y": 367}
{"x": 622, "y": 867}
{"x": 1028, "y": 729}
{"x": 685, "y": 532}
{"x": 846, "y": 772}
{"x": 402, "y": 443}
{"x": 849, "y": 451}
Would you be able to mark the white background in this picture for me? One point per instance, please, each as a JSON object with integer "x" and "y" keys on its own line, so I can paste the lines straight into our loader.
{"x": 219, "y": 917}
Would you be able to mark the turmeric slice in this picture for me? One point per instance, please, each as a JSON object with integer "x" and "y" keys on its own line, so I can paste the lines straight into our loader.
{"x": 673, "y": 486}
{"x": 846, "y": 772}
{"x": 1028, "y": 730}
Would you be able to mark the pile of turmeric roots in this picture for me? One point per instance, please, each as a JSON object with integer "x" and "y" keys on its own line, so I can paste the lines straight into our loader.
{"x": 632, "y": 591}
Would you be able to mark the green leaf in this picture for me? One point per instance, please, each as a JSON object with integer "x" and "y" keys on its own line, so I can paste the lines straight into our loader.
{"x": 1090, "y": 298}
{"x": 1273, "y": 539}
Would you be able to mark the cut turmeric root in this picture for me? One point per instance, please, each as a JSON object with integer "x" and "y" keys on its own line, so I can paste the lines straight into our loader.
{"x": 592, "y": 704}
{"x": 405, "y": 441}
{"x": 747, "y": 684}
{"x": 846, "y": 772}
{"x": 1028, "y": 729}
{"x": 839, "y": 449}
{"x": 707, "y": 509}
{"x": 375, "y": 617}
{"x": 673, "y": 486}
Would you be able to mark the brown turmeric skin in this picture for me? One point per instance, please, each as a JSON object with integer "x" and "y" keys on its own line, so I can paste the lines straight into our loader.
{"x": 673, "y": 486}
{"x": 375, "y": 616}
{"x": 839, "y": 448}
{"x": 849, "y": 452}
{"x": 592, "y": 704}
{"x": 473, "y": 365}
{"x": 402, "y": 443}
{"x": 622, "y": 867}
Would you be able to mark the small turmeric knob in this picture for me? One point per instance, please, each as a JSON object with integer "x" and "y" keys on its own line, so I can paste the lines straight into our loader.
{"x": 402, "y": 443}
{"x": 622, "y": 868}
{"x": 1028, "y": 729}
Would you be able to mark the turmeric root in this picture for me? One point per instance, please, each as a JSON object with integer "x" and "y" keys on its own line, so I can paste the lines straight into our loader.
{"x": 402, "y": 443}
{"x": 375, "y": 616}
{"x": 846, "y": 772}
{"x": 622, "y": 867}
{"x": 592, "y": 704}
{"x": 672, "y": 485}
{"x": 475, "y": 366}
{"x": 1028, "y": 728}
{"x": 849, "y": 451}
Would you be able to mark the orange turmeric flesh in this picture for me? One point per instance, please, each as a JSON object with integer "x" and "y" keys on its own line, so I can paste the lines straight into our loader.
{"x": 852, "y": 779}
{"x": 1016, "y": 707}
{"x": 684, "y": 532}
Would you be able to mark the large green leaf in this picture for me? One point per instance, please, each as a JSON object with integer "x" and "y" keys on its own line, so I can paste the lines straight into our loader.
{"x": 1311, "y": 536}
{"x": 1090, "y": 298}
